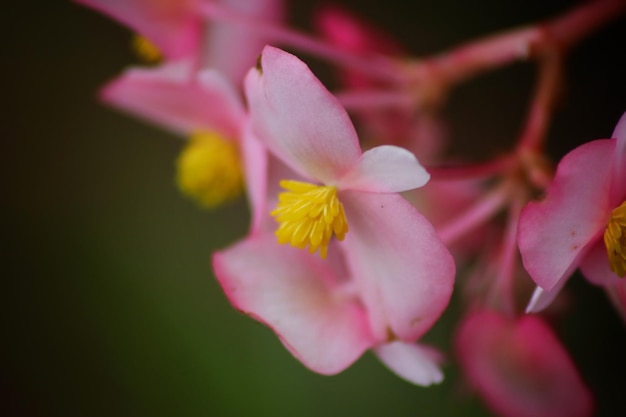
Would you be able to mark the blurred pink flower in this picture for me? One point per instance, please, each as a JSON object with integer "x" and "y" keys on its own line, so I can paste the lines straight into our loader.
{"x": 386, "y": 284}
{"x": 195, "y": 93}
{"x": 172, "y": 25}
{"x": 565, "y": 230}
{"x": 355, "y": 35}
{"x": 172, "y": 97}
{"x": 190, "y": 104}
{"x": 179, "y": 29}
{"x": 520, "y": 368}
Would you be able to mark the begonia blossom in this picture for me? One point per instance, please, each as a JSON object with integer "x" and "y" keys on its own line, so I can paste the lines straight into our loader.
{"x": 173, "y": 26}
{"x": 581, "y": 223}
{"x": 395, "y": 277}
{"x": 519, "y": 367}
{"x": 195, "y": 93}
{"x": 222, "y": 156}
{"x": 179, "y": 30}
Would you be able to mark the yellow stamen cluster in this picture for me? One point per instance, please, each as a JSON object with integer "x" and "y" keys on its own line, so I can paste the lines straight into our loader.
{"x": 309, "y": 215}
{"x": 209, "y": 169}
{"x": 146, "y": 50}
{"x": 615, "y": 240}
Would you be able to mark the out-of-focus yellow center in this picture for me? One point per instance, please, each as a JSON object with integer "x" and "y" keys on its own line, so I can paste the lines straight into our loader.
{"x": 209, "y": 169}
{"x": 615, "y": 240}
{"x": 146, "y": 50}
{"x": 309, "y": 215}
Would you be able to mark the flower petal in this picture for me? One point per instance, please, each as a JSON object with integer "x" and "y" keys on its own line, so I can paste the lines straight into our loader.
{"x": 541, "y": 298}
{"x": 404, "y": 271}
{"x": 299, "y": 297}
{"x": 554, "y": 233}
{"x": 298, "y": 119}
{"x": 232, "y": 48}
{"x": 618, "y": 185}
{"x": 417, "y": 364}
{"x": 172, "y": 25}
{"x": 385, "y": 169}
{"x": 255, "y": 160}
{"x": 520, "y": 368}
{"x": 617, "y": 295}
{"x": 167, "y": 96}
{"x": 595, "y": 266}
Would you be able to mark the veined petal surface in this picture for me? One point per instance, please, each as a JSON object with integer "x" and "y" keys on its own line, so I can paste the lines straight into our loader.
{"x": 299, "y": 297}
{"x": 168, "y": 96}
{"x": 299, "y": 119}
{"x": 385, "y": 169}
{"x": 405, "y": 273}
{"x": 555, "y": 233}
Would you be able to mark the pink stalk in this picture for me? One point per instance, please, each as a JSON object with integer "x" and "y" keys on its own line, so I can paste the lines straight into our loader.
{"x": 542, "y": 105}
{"x": 522, "y": 44}
{"x": 488, "y": 169}
{"x": 476, "y": 215}
{"x": 374, "y": 65}
{"x": 374, "y": 99}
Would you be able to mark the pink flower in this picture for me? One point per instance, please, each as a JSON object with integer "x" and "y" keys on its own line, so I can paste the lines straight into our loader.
{"x": 166, "y": 96}
{"x": 172, "y": 97}
{"x": 388, "y": 281}
{"x": 179, "y": 30}
{"x": 195, "y": 93}
{"x": 520, "y": 368}
{"x": 581, "y": 222}
{"x": 172, "y": 25}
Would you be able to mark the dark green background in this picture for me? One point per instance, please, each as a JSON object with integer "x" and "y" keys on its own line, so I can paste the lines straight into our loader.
{"x": 110, "y": 306}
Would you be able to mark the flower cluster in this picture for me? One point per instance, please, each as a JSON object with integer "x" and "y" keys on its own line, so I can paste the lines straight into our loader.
{"x": 354, "y": 244}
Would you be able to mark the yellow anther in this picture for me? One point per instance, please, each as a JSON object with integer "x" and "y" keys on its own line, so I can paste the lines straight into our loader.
{"x": 309, "y": 215}
{"x": 146, "y": 50}
{"x": 615, "y": 240}
{"x": 209, "y": 169}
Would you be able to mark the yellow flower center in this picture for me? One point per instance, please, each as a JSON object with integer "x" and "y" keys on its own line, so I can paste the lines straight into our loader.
{"x": 615, "y": 240}
{"x": 209, "y": 169}
{"x": 309, "y": 215}
{"x": 146, "y": 50}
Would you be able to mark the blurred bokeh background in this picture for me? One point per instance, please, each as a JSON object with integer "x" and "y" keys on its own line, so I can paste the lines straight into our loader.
{"x": 110, "y": 306}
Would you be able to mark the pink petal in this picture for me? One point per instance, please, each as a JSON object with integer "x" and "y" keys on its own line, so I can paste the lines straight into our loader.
{"x": 264, "y": 187}
{"x": 595, "y": 266}
{"x": 415, "y": 363}
{"x": 520, "y": 368}
{"x": 232, "y": 49}
{"x": 255, "y": 160}
{"x": 168, "y": 97}
{"x": 298, "y": 119}
{"x": 554, "y": 233}
{"x": 172, "y": 25}
{"x": 299, "y": 297}
{"x": 617, "y": 295}
{"x": 404, "y": 271}
{"x": 541, "y": 298}
{"x": 385, "y": 169}
{"x": 618, "y": 185}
